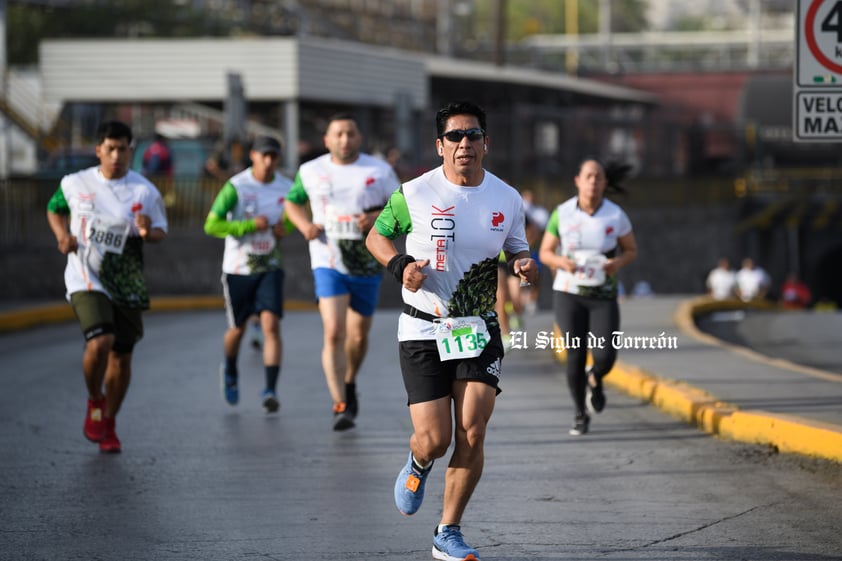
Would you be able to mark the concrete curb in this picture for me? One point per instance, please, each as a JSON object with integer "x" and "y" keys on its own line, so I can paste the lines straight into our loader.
{"x": 697, "y": 407}
{"x": 45, "y": 314}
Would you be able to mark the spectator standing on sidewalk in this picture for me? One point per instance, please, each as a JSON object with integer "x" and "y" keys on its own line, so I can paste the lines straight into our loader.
{"x": 101, "y": 218}
{"x": 157, "y": 158}
{"x": 752, "y": 281}
{"x": 795, "y": 295}
{"x": 721, "y": 282}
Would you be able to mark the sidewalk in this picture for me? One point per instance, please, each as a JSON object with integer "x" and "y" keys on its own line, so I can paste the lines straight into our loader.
{"x": 725, "y": 390}
{"x": 728, "y": 390}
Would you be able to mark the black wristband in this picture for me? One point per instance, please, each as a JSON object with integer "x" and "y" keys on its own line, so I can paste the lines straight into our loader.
{"x": 512, "y": 266}
{"x": 398, "y": 263}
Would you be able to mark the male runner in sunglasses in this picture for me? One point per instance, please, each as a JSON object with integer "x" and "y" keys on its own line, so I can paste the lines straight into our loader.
{"x": 456, "y": 219}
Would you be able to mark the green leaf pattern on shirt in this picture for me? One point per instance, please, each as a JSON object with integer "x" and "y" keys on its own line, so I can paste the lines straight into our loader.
{"x": 476, "y": 293}
{"x": 605, "y": 291}
{"x": 358, "y": 260}
{"x": 263, "y": 263}
{"x": 122, "y": 276}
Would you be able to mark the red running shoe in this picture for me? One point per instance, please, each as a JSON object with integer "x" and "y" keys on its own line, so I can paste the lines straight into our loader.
{"x": 109, "y": 444}
{"x": 94, "y": 426}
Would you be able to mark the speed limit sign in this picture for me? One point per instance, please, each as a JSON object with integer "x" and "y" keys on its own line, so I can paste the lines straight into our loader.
{"x": 818, "y": 72}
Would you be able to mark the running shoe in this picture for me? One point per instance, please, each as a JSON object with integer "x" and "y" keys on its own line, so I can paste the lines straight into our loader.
{"x": 594, "y": 396}
{"x": 580, "y": 425}
{"x": 109, "y": 444}
{"x": 409, "y": 487}
{"x": 94, "y": 426}
{"x": 342, "y": 419}
{"x": 270, "y": 402}
{"x": 595, "y": 399}
{"x": 230, "y": 391}
{"x": 449, "y": 545}
{"x": 351, "y": 403}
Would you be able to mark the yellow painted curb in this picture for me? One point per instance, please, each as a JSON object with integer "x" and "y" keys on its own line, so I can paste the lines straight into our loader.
{"x": 16, "y": 320}
{"x": 787, "y": 433}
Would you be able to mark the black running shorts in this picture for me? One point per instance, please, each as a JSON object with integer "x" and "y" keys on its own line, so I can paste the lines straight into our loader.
{"x": 98, "y": 315}
{"x": 426, "y": 377}
{"x": 246, "y": 295}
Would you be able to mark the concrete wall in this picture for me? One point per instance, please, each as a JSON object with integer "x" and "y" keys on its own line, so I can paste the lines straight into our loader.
{"x": 677, "y": 249}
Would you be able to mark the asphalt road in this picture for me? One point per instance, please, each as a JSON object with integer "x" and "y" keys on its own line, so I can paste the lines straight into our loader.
{"x": 200, "y": 480}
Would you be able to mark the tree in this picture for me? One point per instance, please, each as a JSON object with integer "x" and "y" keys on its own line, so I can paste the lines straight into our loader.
{"x": 531, "y": 17}
{"x": 27, "y": 24}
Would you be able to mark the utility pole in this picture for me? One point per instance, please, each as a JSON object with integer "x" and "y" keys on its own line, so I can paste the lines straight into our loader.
{"x": 500, "y": 33}
{"x": 571, "y": 24}
{"x": 444, "y": 28}
{"x": 605, "y": 33}
{"x": 5, "y": 136}
{"x": 753, "y": 55}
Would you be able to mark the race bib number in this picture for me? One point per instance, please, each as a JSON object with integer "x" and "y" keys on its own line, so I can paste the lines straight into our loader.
{"x": 461, "y": 337}
{"x": 261, "y": 243}
{"x": 589, "y": 271}
{"x": 108, "y": 235}
{"x": 341, "y": 225}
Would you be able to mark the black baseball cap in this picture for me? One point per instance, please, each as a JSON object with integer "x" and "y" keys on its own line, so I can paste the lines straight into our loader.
{"x": 266, "y": 145}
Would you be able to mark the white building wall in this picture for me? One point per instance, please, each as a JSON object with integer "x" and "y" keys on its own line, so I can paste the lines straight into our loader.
{"x": 274, "y": 69}
{"x": 358, "y": 74}
{"x": 167, "y": 70}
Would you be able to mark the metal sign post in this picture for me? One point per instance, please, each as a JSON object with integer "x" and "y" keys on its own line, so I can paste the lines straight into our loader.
{"x": 817, "y": 94}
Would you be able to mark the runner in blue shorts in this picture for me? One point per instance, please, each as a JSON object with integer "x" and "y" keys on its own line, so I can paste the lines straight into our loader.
{"x": 346, "y": 190}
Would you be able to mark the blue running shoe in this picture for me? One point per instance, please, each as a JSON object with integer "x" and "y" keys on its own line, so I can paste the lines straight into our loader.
{"x": 448, "y": 545}
{"x": 270, "y": 402}
{"x": 230, "y": 392}
{"x": 409, "y": 488}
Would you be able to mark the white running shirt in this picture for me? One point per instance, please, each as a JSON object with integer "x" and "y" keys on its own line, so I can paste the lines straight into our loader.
{"x": 579, "y": 231}
{"x": 461, "y": 230}
{"x": 337, "y": 193}
{"x": 94, "y": 200}
{"x": 255, "y": 252}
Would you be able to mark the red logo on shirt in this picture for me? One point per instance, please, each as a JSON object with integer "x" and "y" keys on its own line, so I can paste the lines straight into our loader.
{"x": 280, "y": 200}
{"x": 608, "y": 230}
{"x": 137, "y": 207}
{"x": 369, "y": 181}
{"x": 497, "y": 218}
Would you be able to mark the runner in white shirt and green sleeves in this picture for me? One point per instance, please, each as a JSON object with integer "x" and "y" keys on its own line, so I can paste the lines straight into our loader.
{"x": 101, "y": 217}
{"x": 587, "y": 240}
{"x": 249, "y": 213}
{"x": 456, "y": 219}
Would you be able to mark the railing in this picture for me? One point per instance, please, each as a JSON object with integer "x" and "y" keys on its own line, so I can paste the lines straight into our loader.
{"x": 23, "y": 205}
{"x": 23, "y": 103}
{"x": 824, "y": 181}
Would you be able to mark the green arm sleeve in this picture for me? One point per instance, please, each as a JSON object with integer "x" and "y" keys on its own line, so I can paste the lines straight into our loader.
{"x": 58, "y": 204}
{"x": 552, "y": 224}
{"x": 394, "y": 220}
{"x": 289, "y": 227}
{"x": 217, "y": 223}
{"x": 297, "y": 194}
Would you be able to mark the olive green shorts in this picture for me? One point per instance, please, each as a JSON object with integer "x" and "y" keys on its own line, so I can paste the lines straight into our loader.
{"x": 97, "y": 315}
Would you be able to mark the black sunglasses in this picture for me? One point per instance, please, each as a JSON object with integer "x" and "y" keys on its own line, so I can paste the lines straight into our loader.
{"x": 456, "y": 135}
